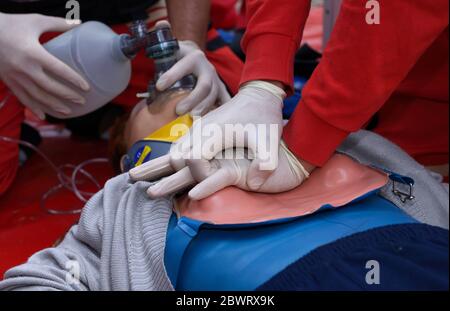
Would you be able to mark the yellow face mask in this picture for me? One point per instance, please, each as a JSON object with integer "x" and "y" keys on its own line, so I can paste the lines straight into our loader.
{"x": 156, "y": 144}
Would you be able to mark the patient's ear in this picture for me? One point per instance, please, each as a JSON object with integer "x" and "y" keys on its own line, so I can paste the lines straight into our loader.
{"x": 117, "y": 143}
{"x": 122, "y": 163}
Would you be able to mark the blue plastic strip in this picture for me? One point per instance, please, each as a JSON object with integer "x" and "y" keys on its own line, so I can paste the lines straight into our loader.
{"x": 179, "y": 237}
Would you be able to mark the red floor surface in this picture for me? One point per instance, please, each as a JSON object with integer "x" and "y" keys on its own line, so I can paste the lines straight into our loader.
{"x": 24, "y": 227}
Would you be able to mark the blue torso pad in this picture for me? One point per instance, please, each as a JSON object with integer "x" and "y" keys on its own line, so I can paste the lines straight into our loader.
{"x": 243, "y": 257}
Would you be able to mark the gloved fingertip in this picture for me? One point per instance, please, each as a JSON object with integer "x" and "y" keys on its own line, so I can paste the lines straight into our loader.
{"x": 163, "y": 24}
{"x": 135, "y": 174}
{"x": 86, "y": 87}
{"x": 181, "y": 109}
{"x": 73, "y": 23}
{"x": 79, "y": 101}
{"x": 198, "y": 111}
{"x": 161, "y": 84}
{"x": 195, "y": 195}
{"x": 153, "y": 192}
{"x": 64, "y": 110}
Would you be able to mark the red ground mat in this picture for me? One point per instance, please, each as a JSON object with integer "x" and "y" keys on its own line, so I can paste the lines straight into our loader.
{"x": 25, "y": 228}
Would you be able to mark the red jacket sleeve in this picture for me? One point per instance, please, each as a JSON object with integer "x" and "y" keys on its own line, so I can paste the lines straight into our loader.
{"x": 361, "y": 67}
{"x": 273, "y": 36}
{"x": 11, "y": 117}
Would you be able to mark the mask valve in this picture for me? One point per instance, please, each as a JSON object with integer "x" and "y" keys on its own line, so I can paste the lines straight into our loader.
{"x": 162, "y": 48}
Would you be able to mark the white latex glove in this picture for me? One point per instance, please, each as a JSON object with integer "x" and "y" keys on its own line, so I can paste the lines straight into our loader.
{"x": 217, "y": 174}
{"x": 254, "y": 116}
{"x": 29, "y": 71}
{"x": 209, "y": 90}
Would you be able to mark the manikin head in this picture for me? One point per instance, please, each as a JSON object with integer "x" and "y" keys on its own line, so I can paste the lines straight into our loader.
{"x": 140, "y": 123}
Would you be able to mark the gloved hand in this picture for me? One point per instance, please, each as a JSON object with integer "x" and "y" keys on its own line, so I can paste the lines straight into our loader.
{"x": 254, "y": 116}
{"x": 217, "y": 174}
{"x": 29, "y": 71}
{"x": 252, "y": 119}
{"x": 209, "y": 90}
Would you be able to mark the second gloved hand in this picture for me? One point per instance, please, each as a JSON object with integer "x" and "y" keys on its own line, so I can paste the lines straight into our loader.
{"x": 29, "y": 71}
{"x": 209, "y": 90}
{"x": 212, "y": 176}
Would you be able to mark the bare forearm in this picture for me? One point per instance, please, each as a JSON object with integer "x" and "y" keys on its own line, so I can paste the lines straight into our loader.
{"x": 190, "y": 19}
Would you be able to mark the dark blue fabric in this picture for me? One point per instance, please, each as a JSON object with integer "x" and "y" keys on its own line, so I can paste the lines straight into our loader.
{"x": 410, "y": 257}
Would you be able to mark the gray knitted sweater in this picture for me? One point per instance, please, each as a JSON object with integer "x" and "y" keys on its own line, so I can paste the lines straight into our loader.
{"x": 118, "y": 245}
{"x": 119, "y": 241}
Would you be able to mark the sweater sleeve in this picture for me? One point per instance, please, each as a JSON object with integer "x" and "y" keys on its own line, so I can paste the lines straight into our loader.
{"x": 74, "y": 265}
{"x": 274, "y": 32}
{"x": 362, "y": 66}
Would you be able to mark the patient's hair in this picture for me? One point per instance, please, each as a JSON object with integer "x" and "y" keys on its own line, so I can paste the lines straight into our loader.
{"x": 117, "y": 143}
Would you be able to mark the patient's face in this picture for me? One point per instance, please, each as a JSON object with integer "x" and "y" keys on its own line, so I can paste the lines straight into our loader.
{"x": 146, "y": 119}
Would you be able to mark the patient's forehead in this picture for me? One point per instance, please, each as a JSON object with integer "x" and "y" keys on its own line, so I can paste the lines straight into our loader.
{"x": 146, "y": 119}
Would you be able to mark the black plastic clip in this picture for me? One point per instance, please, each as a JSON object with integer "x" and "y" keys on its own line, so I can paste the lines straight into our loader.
{"x": 406, "y": 181}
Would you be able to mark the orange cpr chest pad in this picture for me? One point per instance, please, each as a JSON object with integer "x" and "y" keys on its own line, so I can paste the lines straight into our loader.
{"x": 341, "y": 181}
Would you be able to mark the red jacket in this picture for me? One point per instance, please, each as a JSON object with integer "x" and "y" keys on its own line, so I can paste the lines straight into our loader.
{"x": 398, "y": 68}
{"x": 223, "y": 14}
